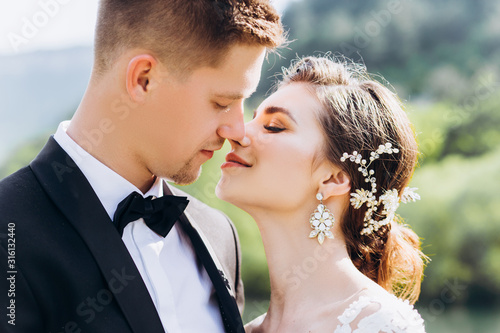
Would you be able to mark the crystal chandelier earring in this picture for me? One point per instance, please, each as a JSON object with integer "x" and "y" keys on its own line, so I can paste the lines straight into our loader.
{"x": 321, "y": 221}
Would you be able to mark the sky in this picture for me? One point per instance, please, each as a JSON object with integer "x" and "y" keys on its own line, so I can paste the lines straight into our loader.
{"x": 30, "y": 25}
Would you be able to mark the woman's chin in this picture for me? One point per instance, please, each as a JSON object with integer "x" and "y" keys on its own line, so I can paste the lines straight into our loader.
{"x": 222, "y": 192}
{"x": 219, "y": 192}
{"x": 231, "y": 195}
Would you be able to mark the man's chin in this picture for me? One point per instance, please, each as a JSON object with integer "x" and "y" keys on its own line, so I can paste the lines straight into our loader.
{"x": 185, "y": 177}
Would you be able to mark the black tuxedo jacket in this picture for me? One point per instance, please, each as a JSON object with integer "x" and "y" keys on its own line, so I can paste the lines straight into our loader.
{"x": 66, "y": 269}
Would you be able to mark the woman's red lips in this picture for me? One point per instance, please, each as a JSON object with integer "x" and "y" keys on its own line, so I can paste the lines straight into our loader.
{"x": 233, "y": 160}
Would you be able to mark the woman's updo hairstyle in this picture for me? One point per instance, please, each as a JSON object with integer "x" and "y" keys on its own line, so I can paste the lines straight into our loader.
{"x": 360, "y": 114}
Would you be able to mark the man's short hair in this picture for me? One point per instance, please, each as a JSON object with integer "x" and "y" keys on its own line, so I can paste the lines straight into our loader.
{"x": 185, "y": 34}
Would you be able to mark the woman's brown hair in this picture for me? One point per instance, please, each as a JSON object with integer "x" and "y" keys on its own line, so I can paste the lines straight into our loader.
{"x": 360, "y": 114}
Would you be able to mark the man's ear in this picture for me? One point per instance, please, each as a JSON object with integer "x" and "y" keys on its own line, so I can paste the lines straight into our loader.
{"x": 334, "y": 183}
{"x": 140, "y": 76}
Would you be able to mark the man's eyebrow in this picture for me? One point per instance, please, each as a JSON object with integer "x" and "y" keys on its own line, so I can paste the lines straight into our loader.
{"x": 277, "y": 109}
{"x": 233, "y": 96}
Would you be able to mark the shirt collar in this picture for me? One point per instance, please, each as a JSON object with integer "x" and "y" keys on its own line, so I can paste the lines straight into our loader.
{"x": 110, "y": 187}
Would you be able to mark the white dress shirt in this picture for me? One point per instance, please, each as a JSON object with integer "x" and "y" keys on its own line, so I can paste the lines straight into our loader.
{"x": 179, "y": 286}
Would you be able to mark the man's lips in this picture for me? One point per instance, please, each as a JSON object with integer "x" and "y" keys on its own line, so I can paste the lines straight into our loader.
{"x": 208, "y": 153}
{"x": 233, "y": 160}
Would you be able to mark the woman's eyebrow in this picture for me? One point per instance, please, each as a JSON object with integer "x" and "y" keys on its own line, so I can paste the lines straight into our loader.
{"x": 277, "y": 109}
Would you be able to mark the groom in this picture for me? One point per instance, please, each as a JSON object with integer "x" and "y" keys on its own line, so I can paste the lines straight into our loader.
{"x": 96, "y": 242}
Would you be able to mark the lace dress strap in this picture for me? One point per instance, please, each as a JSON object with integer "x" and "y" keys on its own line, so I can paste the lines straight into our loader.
{"x": 380, "y": 314}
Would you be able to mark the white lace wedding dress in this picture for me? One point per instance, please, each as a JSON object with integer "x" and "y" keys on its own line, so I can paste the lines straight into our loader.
{"x": 385, "y": 313}
{"x": 368, "y": 314}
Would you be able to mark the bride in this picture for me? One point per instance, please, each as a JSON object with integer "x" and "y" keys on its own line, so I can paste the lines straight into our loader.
{"x": 323, "y": 166}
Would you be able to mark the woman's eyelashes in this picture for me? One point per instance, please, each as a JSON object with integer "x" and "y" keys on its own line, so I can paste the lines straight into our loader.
{"x": 271, "y": 124}
{"x": 274, "y": 129}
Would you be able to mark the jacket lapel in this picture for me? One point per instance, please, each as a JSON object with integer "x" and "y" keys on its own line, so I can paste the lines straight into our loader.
{"x": 66, "y": 185}
{"x": 227, "y": 303}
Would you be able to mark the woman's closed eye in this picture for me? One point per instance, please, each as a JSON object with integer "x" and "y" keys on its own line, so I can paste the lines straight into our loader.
{"x": 274, "y": 128}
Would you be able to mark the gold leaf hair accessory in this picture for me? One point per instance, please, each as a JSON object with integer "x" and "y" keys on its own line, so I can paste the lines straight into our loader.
{"x": 388, "y": 201}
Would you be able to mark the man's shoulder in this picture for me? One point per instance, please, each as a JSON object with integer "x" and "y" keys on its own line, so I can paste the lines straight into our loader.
{"x": 21, "y": 199}
{"x": 19, "y": 176}
{"x": 17, "y": 186}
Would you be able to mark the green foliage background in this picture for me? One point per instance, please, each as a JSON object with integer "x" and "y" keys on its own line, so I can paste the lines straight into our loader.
{"x": 442, "y": 57}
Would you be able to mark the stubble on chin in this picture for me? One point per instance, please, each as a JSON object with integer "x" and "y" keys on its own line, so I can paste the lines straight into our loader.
{"x": 188, "y": 174}
{"x": 190, "y": 171}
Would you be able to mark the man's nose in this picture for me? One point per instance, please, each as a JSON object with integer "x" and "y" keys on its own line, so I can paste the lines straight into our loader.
{"x": 233, "y": 126}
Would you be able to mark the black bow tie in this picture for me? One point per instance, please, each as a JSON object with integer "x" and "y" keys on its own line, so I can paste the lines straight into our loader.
{"x": 159, "y": 214}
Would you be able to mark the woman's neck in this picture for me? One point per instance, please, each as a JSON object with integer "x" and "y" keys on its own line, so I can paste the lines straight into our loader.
{"x": 305, "y": 276}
